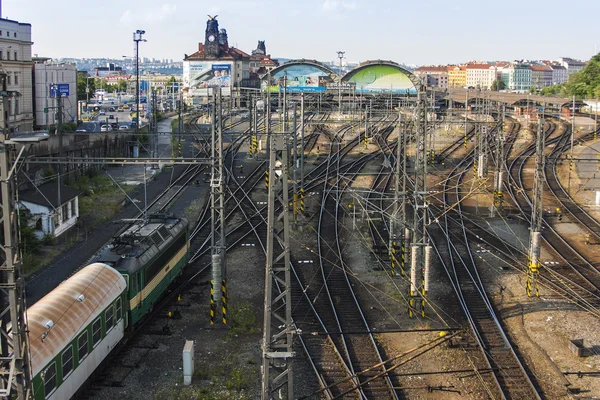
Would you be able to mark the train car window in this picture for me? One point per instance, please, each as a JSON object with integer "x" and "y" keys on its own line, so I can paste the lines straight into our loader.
{"x": 67, "y": 362}
{"x": 50, "y": 379}
{"x": 96, "y": 332}
{"x": 119, "y": 309}
{"x": 110, "y": 313}
{"x": 82, "y": 345}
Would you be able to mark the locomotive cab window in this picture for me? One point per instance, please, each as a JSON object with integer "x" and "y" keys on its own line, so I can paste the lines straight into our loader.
{"x": 67, "y": 362}
{"x": 82, "y": 344}
{"x": 50, "y": 379}
{"x": 96, "y": 332}
{"x": 110, "y": 313}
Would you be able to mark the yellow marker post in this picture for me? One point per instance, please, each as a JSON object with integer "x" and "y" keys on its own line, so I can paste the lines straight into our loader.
{"x": 212, "y": 302}
{"x": 224, "y": 300}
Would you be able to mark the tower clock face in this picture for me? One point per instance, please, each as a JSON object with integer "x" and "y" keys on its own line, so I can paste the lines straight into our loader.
{"x": 211, "y": 38}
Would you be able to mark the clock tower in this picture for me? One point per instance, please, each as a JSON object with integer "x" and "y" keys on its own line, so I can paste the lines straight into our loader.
{"x": 211, "y": 38}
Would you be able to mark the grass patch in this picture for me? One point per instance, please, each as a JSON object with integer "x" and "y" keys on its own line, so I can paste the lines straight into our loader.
{"x": 192, "y": 212}
{"x": 100, "y": 199}
{"x": 242, "y": 319}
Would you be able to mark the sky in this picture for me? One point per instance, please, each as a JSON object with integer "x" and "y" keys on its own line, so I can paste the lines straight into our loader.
{"x": 420, "y": 32}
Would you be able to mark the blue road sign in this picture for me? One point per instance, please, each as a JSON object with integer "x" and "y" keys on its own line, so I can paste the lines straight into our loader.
{"x": 59, "y": 88}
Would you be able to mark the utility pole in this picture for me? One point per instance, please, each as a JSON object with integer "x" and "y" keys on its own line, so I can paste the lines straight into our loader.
{"x": 59, "y": 129}
{"x": 217, "y": 199}
{"x": 302, "y": 151}
{"x": 396, "y": 224}
{"x": 571, "y": 151}
{"x": 537, "y": 212}
{"x": 499, "y": 173}
{"x": 278, "y": 329}
{"x": 295, "y": 162}
{"x": 420, "y": 249}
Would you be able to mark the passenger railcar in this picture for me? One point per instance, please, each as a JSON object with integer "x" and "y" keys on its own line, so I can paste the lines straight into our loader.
{"x": 76, "y": 326}
{"x": 150, "y": 254}
{"x": 73, "y": 328}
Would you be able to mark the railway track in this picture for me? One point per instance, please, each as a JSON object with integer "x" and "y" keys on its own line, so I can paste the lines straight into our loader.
{"x": 509, "y": 374}
{"x": 574, "y": 277}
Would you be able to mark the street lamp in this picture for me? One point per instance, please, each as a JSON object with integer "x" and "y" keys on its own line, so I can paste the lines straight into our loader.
{"x": 137, "y": 38}
{"x": 341, "y": 57}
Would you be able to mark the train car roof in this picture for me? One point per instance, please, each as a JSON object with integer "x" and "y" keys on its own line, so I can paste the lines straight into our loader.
{"x": 58, "y": 318}
{"x": 136, "y": 244}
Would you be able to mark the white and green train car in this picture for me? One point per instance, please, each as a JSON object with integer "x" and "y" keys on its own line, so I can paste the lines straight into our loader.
{"x": 74, "y": 328}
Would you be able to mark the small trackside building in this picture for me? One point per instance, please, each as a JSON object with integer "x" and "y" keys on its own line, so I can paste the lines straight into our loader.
{"x": 50, "y": 217}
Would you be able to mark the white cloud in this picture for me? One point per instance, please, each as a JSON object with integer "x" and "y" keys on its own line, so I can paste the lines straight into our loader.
{"x": 338, "y": 6}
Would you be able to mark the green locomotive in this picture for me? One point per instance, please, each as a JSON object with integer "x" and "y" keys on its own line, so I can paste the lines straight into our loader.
{"x": 150, "y": 254}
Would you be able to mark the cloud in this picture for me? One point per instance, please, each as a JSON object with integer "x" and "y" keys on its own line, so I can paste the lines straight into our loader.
{"x": 151, "y": 16}
{"x": 338, "y": 6}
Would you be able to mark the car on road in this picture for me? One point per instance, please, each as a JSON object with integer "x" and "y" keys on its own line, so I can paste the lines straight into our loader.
{"x": 80, "y": 130}
{"x": 125, "y": 106}
{"x": 111, "y": 109}
{"x": 123, "y": 127}
{"x": 111, "y": 116}
{"x": 105, "y": 128}
{"x": 101, "y": 112}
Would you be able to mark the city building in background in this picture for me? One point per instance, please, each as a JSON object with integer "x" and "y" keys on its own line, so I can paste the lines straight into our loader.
{"x": 571, "y": 65}
{"x": 15, "y": 59}
{"x": 541, "y": 76}
{"x": 457, "y": 76}
{"x": 433, "y": 76}
{"x": 47, "y": 73}
{"x": 516, "y": 76}
{"x": 215, "y": 66}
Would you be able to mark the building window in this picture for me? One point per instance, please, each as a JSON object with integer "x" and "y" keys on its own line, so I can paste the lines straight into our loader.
{"x": 16, "y": 79}
{"x": 67, "y": 362}
{"x": 15, "y": 34}
{"x": 16, "y": 106}
{"x": 7, "y": 33}
{"x": 15, "y": 56}
{"x": 110, "y": 313}
{"x": 65, "y": 212}
{"x": 1, "y": 55}
{"x": 50, "y": 379}
{"x": 8, "y": 80}
{"x": 82, "y": 345}
{"x": 96, "y": 332}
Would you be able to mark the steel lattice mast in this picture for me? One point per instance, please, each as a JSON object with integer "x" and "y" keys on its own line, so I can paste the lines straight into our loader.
{"x": 420, "y": 249}
{"x": 218, "y": 289}
{"x": 14, "y": 345}
{"x": 278, "y": 329}
{"x": 537, "y": 211}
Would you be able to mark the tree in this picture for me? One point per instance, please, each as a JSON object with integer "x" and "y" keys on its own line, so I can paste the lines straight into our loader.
{"x": 84, "y": 83}
{"x": 498, "y": 84}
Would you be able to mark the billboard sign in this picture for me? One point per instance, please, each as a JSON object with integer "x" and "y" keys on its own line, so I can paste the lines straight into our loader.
{"x": 382, "y": 78}
{"x": 61, "y": 89}
{"x": 298, "y": 78}
{"x": 202, "y": 75}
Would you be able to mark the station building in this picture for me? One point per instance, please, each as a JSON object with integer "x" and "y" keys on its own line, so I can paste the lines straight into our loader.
{"x": 216, "y": 66}
{"x": 15, "y": 62}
